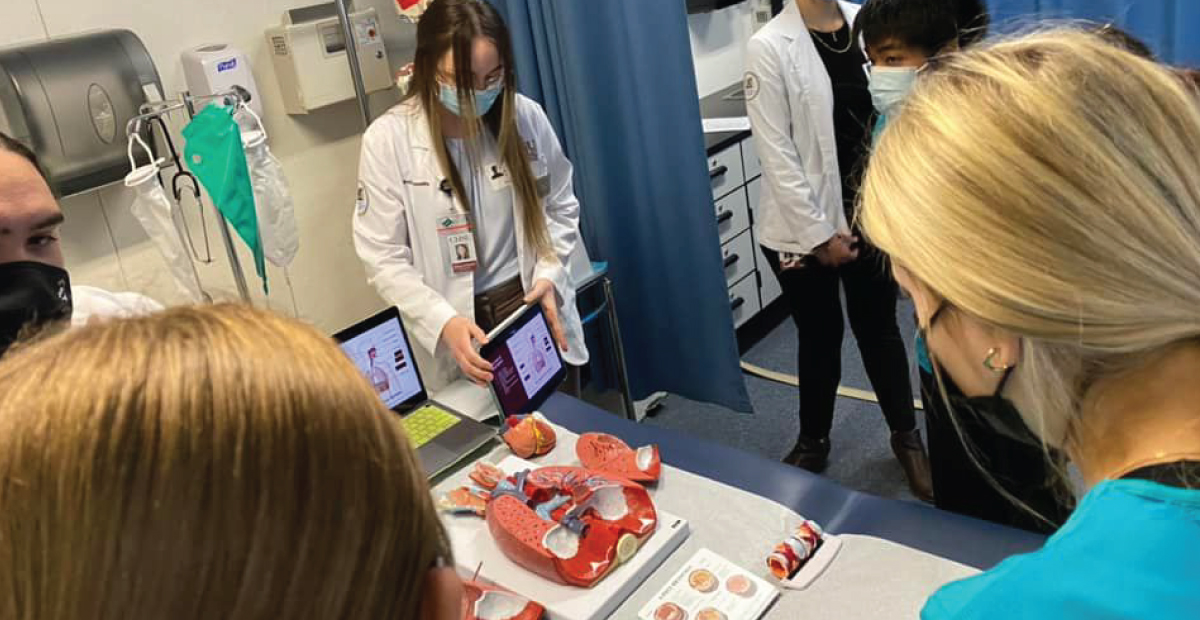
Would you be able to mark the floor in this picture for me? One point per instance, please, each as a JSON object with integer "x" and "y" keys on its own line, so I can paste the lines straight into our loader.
{"x": 861, "y": 458}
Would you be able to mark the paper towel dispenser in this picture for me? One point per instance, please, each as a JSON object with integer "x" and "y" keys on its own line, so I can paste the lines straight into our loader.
{"x": 69, "y": 99}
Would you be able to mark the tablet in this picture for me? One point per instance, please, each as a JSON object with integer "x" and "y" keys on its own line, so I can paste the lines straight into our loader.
{"x": 526, "y": 363}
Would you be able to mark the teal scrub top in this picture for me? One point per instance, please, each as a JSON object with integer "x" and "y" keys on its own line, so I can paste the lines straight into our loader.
{"x": 1130, "y": 550}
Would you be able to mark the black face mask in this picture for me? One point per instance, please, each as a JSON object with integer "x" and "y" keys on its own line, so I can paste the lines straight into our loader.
{"x": 31, "y": 295}
{"x": 995, "y": 413}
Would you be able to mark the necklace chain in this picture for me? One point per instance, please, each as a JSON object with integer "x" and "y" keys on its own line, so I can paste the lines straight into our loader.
{"x": 1158, "y": 459}
{"x": 849, "y": 42}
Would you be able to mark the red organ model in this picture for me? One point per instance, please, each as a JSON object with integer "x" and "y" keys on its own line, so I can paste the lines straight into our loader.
{"x": 568, "y": 524}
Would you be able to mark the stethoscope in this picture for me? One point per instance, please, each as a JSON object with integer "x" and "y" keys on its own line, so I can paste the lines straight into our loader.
{"x": 182, "y": 174}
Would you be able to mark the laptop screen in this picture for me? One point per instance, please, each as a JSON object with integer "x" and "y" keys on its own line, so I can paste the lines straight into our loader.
{"x": 381, "y": 351}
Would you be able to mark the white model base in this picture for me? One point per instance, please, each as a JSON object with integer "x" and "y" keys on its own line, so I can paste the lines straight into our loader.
{"x": 816, "y": 565}
{"x": 473, "y": 545}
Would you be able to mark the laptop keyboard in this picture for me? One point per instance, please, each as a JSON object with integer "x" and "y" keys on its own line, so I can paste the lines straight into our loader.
{"x": 426, "y": 423}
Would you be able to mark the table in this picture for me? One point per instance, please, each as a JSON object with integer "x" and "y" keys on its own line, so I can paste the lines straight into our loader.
{"x": 969, "y": 541}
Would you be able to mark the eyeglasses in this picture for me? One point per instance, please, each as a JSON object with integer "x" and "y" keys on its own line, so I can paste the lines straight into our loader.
{"x": 491, "y": 83}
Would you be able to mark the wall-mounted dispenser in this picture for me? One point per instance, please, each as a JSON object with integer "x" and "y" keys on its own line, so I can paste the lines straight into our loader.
{"x": 69, "y": 100}
{"x": 309, "y": 52}
{"x": 216, "y": 68}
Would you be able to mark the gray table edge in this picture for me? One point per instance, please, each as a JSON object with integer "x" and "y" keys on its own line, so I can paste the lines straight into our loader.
{"x": 962, "y": 539}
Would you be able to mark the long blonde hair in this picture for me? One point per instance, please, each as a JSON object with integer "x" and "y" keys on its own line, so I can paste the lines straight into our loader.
{"x": 453, "y": 26}
{"x": 209, "y": 462}
{"x": 1049, "y": 185}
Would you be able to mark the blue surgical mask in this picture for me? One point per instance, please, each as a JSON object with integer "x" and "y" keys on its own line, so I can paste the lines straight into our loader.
{"x": 484, "y": 99}
{"x": 890, "y": 85}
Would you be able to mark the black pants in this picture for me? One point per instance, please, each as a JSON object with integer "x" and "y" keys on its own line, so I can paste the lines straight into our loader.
{"x": 1020, "y": 467}
{"x": 812, "y": 295}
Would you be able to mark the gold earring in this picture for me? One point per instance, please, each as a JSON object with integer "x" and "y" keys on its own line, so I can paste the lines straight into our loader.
{"x": 990, "y": 362}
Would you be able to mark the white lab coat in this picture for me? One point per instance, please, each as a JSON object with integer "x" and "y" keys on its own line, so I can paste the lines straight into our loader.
{"x": 790, "y": 103}
{"x": 89, "y": 303}
{"x": 396, "y": 231}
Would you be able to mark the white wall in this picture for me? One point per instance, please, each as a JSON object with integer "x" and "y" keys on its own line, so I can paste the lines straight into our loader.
{"x": 719, "y": 45}
{"x": 105, "y": 246}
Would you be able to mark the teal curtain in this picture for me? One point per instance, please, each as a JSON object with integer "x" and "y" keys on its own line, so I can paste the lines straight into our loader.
{"x": 617, "y": 80}
{"x": 1169, "y": 27}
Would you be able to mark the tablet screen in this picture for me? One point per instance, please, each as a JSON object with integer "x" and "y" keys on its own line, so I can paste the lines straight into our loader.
{"x": 525, "y": 362}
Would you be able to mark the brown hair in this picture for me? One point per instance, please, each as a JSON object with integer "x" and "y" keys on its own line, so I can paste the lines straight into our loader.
{"x": 452, "y": 26}
{"x": 206, "y": 462}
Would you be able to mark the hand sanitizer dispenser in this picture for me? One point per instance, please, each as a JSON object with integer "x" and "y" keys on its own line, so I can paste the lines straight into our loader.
{"x": 217, "y": 68}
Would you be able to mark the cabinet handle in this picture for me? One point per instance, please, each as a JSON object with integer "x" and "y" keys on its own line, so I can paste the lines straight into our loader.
{"x": 724, "y": 216}
{"x": 731, "y": 260}
{"x": 737, "y": 303}
{"x": 717, "y": 172}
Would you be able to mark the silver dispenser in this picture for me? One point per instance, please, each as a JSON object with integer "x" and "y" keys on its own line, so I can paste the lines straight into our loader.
{"x": 70, "y": 98}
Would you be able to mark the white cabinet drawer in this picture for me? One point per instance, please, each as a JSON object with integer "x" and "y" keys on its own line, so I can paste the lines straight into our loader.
{"x": 770, "y": 290}
{"x": 725, "y": 171}
{"x": 743, "y": 300}
{"x": 733, "y": 216}
{"x": 753, "y": 196}
{"x": 738, "y": 257}
{"x": 750, "y": 162}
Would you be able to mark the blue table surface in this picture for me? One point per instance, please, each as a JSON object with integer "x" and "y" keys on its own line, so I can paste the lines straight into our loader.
{"x": 840, "y": 510}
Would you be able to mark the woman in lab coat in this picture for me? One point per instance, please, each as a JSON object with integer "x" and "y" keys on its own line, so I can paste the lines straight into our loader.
{"x": 810, "y": 108}
{"x": 465, "y": 160}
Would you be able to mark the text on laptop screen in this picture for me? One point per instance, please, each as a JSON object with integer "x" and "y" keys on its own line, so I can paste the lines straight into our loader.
{"x": 384, "y": 357}
{"x": 525, "y": 364}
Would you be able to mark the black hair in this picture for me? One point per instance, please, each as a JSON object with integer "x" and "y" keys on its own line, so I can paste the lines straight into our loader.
{"x": 1122, "y": 39}
{"x": 928, "y": 25}
{"x": 12, "y": 145}
{"x": 973, "y": 21}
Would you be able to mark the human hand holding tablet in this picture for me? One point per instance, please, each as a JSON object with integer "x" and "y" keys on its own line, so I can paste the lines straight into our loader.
{"x": 460, "y": 336}
{"x": 543, "y": 293}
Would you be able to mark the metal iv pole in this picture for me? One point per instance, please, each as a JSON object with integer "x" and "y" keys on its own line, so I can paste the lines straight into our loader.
{"x": 360, "y": 88}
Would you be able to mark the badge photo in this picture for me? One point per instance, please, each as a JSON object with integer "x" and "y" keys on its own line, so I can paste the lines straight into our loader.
{"x": 462, "y": 252}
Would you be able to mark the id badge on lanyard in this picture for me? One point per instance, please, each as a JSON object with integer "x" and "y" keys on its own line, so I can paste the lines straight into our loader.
{"x": 458, "y": 241}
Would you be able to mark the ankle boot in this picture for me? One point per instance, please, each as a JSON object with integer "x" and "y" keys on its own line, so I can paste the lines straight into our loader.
{"x": 810, "y": 454}
{"x": 910, "y": 451}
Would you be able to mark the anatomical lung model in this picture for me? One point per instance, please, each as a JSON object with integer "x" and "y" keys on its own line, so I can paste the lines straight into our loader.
{"x": 484, "y": 602}
{"x": 568, "y": 524}
{"x": 606, "y": 453}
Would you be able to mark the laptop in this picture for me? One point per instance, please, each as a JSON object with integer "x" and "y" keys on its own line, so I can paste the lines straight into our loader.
{"x": 443, "y": 437}
{"x": 526, "y": 362}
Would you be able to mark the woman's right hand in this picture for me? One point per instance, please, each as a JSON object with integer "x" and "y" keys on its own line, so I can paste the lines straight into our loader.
{"x": 460, "y": 336}
{"x": 837, "y": 251}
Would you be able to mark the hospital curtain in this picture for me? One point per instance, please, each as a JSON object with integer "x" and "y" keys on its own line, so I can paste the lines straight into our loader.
{"x": 617, "y": 80}
{"x": 1169, "y": 27}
